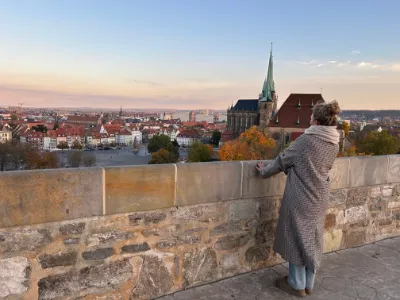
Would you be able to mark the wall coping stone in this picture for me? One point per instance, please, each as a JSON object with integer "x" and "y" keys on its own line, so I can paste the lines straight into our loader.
{"x": 34, "y": 197}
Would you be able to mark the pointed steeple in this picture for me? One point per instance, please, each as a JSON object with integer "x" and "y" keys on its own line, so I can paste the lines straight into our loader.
{"x": 269, "y": 84}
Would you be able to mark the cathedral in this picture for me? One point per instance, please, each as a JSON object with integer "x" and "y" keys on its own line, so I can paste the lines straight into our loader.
{"x": 249, "y": 112}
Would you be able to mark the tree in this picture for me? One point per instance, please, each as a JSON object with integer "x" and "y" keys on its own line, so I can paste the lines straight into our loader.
{"x": 37, "y": 160}
{"x": 113, "y": 144}
{"x": 200, "y": 153}
{"x": 88, "y": 160}
{"x": 163, "y": 156}
{"x": 75, "y": 159}
{"x": 55, "y": 126}
{"x": 351, "y": 151}
{"x": 158, "y": 142}
{"x": 62, "y": 145}
{"x": 379, "y": 143}
{"x": 14, "y": 117}
{"x": 346, "y": 128}
{"x": 251, "y": 145}
{"x": 76, "y": 145}
{"x": 40, "y": 128}
{"x": 216, "y": 137}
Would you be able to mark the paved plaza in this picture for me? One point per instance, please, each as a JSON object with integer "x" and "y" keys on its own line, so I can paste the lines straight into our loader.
{"x": 369, "y": 272}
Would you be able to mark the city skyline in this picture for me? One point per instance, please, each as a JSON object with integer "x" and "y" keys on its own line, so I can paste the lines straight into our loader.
{"x": 198, "y": 55}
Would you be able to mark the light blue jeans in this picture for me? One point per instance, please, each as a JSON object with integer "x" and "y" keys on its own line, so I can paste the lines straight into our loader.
{"x": 301, "y": 277}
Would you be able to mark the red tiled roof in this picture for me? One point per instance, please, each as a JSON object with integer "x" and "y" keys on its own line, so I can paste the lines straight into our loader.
{"x": 82, "y": 119}
{"x": 290, "y": 113}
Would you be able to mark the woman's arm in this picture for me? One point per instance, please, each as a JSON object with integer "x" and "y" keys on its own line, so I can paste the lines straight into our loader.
{"x": 282, "y": 163}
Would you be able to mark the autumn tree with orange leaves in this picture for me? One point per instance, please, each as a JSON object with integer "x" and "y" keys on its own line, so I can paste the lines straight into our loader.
{"x": 251, "y": 145}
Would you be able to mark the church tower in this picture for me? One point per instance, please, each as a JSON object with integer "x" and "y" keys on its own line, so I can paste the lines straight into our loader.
{"x": 267, "y": 101}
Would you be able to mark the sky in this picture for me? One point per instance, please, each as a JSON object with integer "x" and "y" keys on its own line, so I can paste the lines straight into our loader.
{"x": 181, "y": 54}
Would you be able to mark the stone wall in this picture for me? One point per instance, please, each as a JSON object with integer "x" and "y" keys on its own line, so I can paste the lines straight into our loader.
{"x": 145, "y": 231}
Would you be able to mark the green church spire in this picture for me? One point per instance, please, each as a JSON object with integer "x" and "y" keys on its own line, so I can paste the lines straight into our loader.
{"x": 269, "y": 85}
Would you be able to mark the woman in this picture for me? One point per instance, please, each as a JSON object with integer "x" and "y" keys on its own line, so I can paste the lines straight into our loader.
{"x": 299, "y": 234}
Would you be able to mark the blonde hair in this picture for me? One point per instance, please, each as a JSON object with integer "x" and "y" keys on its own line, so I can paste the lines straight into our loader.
{"x": 326, "y": 113}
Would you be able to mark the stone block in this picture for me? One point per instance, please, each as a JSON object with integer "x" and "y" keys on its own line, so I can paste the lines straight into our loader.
{"x": 139, "y": 188}
{"x": 332, "y": 239}
{"x": 72, "y": 228}
{"x": 90, "y": 280}
{"x": 394, "y": 169}
{"x": 227, "y": 228}
{"x": 200, "y": 266}
{"x": 355, "y": 238}
{"x": 265, "y": 232}
{"x": 33, "y": 197}
{"x": 58, "y": 259}
{"x": 146, "y": 218}
{"x": 330, "y": 221}
{"x": 258, "y": 254}
{"x": 339, "y": 174}
{"x": 135, "y": 248}
{"x": 178, "y": 241}
{"x": 98, "y": 254}
{"x": 14, "y": 276}
{"x": 337, "y": 198}
{"x": 368, "y": 170}
{"x": 154, "y": 280}
{"x": 394, "y": 205}
{"x": 71, "y": 241}
{"x": 244, "y": 210}
{"x": 24, "y": 240}
{"x": 232, "y": 241}
{"x": 355, "y": 214}
{"x": 108, "y": 237}
{"x": 208, "y": 182}
{"x": 254, "y": 186}
{"x": 357, "y": 196}
{"x": 375, "y": 192}
{"x": 269, "y": 208}
{"x": 205, "y": 213}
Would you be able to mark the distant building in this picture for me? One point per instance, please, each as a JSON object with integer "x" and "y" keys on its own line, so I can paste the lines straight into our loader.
{"x": 216, "y": 118}
{"x": 249, "y": 112}
{"x": 5, "y": 134}
{"x": 84, "y": 120}
{"x": 192, "y": 116}
{"x": 188, "y": 137}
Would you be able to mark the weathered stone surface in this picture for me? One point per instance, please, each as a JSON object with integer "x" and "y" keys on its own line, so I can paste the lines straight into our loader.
{"x": 337, "y": 198}
{"x": 355, "y": 214}
{"x": 146, "y": 218}
{"x": 200, "y": 266}
{"x": 387, "y": 191}
{"x": 90, "y": 280}
{"x": 330, "y": 221}
{"x": 355, "y": 238}
{"x": 139, "y": 188}
{"x": 108, "y": 237}
{"x": 385, "y": 222}
{"x": 24, "y": 240}
{"x": 360, "y": 224}
{"x": 73, "y": 228}
{"x": 14, "y": 276}
{"x": 265, "y": 233}
{"x": 269, "y": 208}
{"x": 332, "y": 240}
{"x": 232, "y": 241}
{"x": 254, "y": 186}
{"x": 135, "y": 248}
{"x": 357, "y": 197}
{"x": 394, "y": 205}
{"x": 98, "y": 254}
{"x": 230, "y": 261}
{"x": 369, "y": 170}
{"x": 222, "y": 182}
{"x": 339, "y": 174}
{"x": 394, "y": 169}
{"x": 71, "y": 241}
{"x": 177, "y": 241}
{"x": 206, "y": 213}
{"x": 375, "y": 192}
{"x": 58, "y": 259}
{"x": 164, "y": 231}
{"x": 244, "y": 210}
{"x": 154, "y": 279}
{"x": 258, "y": 254}
{"x": 33, "y": 197}
{"x": 227, "y": 228}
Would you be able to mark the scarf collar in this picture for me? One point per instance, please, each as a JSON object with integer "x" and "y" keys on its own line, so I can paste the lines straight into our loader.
{"x": 326, "y": 133}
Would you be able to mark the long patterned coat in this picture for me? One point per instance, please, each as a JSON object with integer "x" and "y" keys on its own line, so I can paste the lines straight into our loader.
{"x": 299, "y": 234}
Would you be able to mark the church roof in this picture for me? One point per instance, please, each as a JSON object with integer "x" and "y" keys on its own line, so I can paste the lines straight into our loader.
{"x": 269, "y": 85}
{"x": 296, "y": 111}
{"x": 246, "y": 105}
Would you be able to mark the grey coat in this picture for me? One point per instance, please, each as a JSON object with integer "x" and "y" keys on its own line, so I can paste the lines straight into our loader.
{"x": 299, "y": 234}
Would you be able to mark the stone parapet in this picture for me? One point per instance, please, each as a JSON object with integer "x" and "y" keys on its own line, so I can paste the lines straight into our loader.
{"x": 33, "y": 197}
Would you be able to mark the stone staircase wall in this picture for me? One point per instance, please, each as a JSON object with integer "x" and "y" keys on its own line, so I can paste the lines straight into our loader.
{"x": 139, "y": 232}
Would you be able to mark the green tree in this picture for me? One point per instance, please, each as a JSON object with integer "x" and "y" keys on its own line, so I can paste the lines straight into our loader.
{"x": 62, "y": 145}
{"x": 75, "y": 159}
{"x": 14, "y": 117}
{"x": 163, "y": 156}
{"x": 158, "y": 142}
{"x": 379, "y": 143}
{"x": 200, "y": 153}
{"x": 216, "y": 137}
{"x": 40, "y": 128}
{"x": 76, "y": 145}
{"x": 56, "y": 126}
